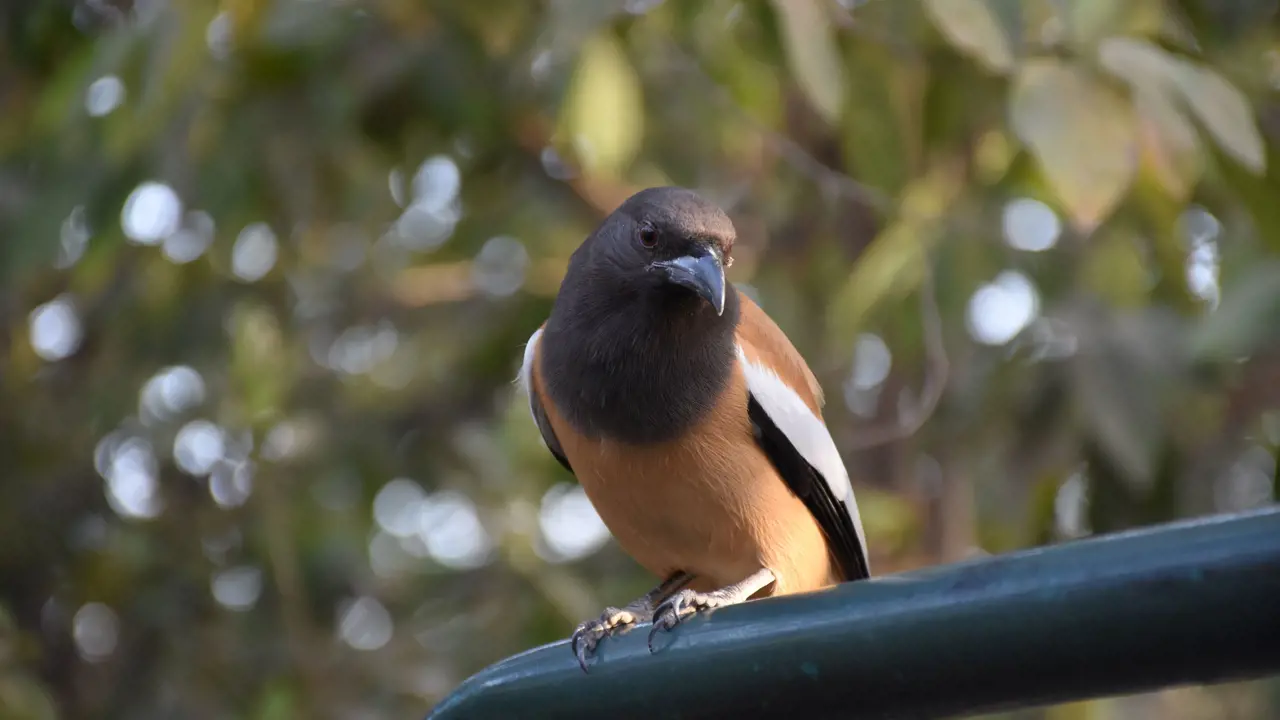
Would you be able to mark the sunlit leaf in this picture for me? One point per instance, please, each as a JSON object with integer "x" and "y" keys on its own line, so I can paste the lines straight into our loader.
{"x": 1084, "y": 18}
{"x": 603, "y": 115}
{"x": 1226, "y": 114}
{"x": 1169, "y": 144}
{"x": 1168, "y": 141}
{"x": 893, "y": 265}
{"x": 992, "y": 155}
{"x": 810, "y": 42}
{"x": 1219, "y": 105}
{"x": 1081, "y": 133}
{"x": 1088, "y": 20}
{"x": 1143, "y": 64}
{"x": 973, "y": 27}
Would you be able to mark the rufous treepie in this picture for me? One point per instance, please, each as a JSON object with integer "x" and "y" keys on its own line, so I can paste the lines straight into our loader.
{"x": 692, "y": 423}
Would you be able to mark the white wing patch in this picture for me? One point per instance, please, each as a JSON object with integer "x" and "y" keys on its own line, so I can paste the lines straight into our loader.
{"x": 805, "y": 431}
{"x": 526, "y": 369}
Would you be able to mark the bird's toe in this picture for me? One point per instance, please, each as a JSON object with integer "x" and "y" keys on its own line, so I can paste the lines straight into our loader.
{"x": 587, "y": 636}
{"x": 677, "y": 608}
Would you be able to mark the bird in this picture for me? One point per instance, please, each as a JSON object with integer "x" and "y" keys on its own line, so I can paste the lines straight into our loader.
{"x": 689, "y": 419}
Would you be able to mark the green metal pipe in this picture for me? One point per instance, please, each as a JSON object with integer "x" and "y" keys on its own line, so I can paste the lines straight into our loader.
{"x": 1188, "y": 602}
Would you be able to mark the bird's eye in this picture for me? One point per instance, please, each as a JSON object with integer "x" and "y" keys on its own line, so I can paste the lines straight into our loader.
{"x": 648, "y": 236}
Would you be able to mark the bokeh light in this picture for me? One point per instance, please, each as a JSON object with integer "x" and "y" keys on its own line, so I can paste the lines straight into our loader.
{"x": 191, "y": 239}
{"x": 197, "y": 446}
{"x": 73, "y": 239}
{"x": 231, "y": 484}
{"x": 364, "y": 624}
{"x": 500, "y": 266}
{"x": 1001, "y": 309}
{"x": 132, "y": 475}
{"x": 1030, "y": 225}
{"x": 571, "y": 527}
{"x": 254, "y": 252}
{"x": 55, "y": 329}
{"x": 96, "y": 630}
{"x": 872, "y": 361}
{"x": 450, "y": 528}
{"x": 104, "y": 95}
{"x": 151, "y": 213}
{"x": 237, "y": 588}
{"x": 169, "y": 393}
{"x": 1201, "y": 231}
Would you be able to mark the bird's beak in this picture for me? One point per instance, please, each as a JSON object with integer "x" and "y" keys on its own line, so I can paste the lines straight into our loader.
{"x": 702, "y": 273}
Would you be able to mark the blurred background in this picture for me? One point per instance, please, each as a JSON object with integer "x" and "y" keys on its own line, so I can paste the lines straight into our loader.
{"x": 268, "y": 267}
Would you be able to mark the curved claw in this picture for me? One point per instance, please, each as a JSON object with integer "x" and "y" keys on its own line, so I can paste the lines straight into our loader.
{"x": 660, "y": 623}
{"x": 588, "y": 635}
{"x": 580, "y": 652}
{"x": 670, "y": 613}
{"x": 684, "y": 602}
{"x": 581, "y": 642}
{"x": 578, "y": 647}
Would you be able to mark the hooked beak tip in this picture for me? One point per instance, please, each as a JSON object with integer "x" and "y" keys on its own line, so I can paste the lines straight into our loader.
{"x": 703, "y": 274}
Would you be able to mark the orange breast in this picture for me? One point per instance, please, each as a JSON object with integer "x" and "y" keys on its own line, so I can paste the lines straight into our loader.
{"x": 709, "y": 503}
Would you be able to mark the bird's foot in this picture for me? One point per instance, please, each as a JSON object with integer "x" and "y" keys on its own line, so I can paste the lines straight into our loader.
{"x": 685, "y": 604}
{"x": 589, "y": 634}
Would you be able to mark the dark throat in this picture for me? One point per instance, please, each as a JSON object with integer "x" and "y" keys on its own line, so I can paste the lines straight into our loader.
{"x": 639, "y": 366}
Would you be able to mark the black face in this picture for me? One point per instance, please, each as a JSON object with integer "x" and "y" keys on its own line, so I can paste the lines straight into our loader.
{"x": 641, "y": 339}
{"x": 674, "y": 239}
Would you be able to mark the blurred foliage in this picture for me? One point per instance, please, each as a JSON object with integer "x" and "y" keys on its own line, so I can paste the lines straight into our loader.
{"x": 262, "y": 257}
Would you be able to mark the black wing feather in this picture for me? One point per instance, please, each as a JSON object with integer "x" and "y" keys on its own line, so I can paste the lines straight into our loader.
{"x": 544, "y": 427}
{"x": 812, "y": 489}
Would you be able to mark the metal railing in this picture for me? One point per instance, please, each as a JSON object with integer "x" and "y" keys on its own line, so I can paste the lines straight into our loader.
{"x": 1188, "y": 602}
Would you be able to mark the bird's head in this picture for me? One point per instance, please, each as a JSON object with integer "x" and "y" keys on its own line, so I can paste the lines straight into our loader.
{"x": 671, "y": 240}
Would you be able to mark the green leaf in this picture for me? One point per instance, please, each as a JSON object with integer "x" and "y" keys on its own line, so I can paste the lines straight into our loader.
{"x": 1246, "y": 320}
{"x": 1123, "y": 376}
{"x": 1226, "y": 114}
{"x": 973, "y": 27}
{"x": 1088, "y": 20}
{"x": 810, "y": 42}
{"x": 879, "y": 139}
{"x": 1169, "y": 144}
{"x": 1220, "y": 106}
{"x": 1080, "y": 132}
{"x": 1012, "y": 15}
{"x": 260, "y": 368}
{"x": 1142, "y": 64}
{"x": 1116, "y": 271}
{"x": 276, "y": 702}
{"x": 1084, "y": 19}
{"x": 893, "y": 265}
{"x": 889, "y": 268}
{"x": 603, "y": 115}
